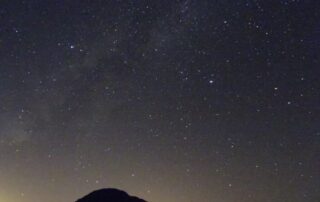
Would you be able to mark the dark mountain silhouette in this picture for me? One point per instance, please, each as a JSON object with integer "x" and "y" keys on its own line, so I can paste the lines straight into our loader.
{"x": 109, "y": 195}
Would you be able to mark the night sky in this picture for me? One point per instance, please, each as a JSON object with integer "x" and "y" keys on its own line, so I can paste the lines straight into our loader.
{"x": 172, "y": 101}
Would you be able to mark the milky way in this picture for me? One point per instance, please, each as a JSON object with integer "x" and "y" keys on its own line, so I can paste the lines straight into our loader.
{"x": 172, "y": 101}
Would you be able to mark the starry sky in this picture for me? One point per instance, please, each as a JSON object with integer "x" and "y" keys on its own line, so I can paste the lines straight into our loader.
{"x": 171, "y": 100}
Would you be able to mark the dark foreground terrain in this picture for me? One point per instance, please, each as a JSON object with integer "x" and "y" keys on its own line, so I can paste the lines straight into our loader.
{"x": 109, "y": 195}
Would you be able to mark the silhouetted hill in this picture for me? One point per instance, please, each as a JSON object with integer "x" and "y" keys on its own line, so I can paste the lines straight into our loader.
{"x": 109, "y": 195}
